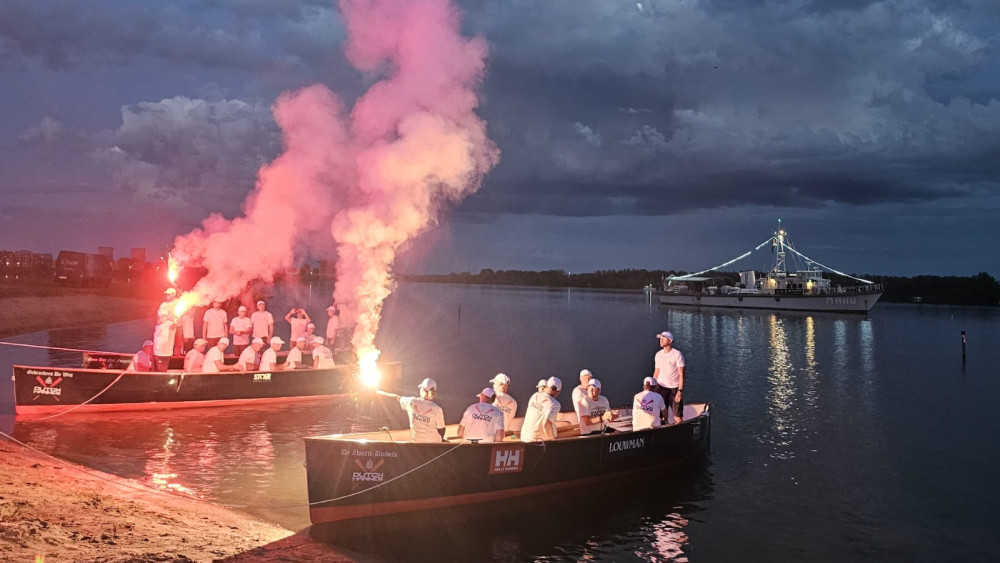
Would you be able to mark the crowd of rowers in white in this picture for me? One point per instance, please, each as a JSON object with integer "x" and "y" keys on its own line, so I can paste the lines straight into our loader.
{"x": 249, "y": 336}
{"x": 659, "y": 403}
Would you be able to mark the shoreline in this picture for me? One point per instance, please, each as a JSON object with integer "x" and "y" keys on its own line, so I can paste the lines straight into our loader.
{"x": 54, "y": 510}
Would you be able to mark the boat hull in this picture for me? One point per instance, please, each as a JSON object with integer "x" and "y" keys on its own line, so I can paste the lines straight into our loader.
{"x": 833, "y": 303}
{"x": 357, "y": 485}
{"x": 49, "y": 390}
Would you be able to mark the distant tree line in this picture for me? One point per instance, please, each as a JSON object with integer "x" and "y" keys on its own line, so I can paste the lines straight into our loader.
{"x": 980, "y": 289}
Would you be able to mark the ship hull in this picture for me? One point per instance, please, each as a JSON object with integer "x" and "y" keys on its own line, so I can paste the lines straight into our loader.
{"x": 832, "y": 303}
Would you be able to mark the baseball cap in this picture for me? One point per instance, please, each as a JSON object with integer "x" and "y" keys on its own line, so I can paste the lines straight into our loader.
{"x": 242, "y": 308}
{"x": 277, "y": 340}
{"x": 428, "y": 384}
{"x": 501, "y": 378}
{"x": 310, "y": 325}
{"x": 318, "y": 340}
{"x": 331, "y": 308}
{"x": 257, "y": 340}
{"x": 649, "y": 381}
{"x": 487, "y": 393}
{"x": 665, "y": 334}
{"x": 586, "y": 373}
{"x": 147, "y": 343}
{"x": 555, "y": 383}
{"x": 261, "y": 302}
{"x": 301, "y": 339}
{"x": 170, "y": 291}
{"x": 594, "y": 383}
{"x": 223, "y": 340}
{"x": 200, "y": 341}
{"x": 541, "y": 384}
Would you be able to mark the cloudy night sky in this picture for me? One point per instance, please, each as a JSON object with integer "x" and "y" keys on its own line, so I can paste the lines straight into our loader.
{"x": 655, "y": 134}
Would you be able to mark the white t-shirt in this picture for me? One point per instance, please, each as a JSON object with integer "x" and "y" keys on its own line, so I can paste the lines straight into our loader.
{"x": 215, "y": 323}
{"x": 261, "y": 320}
{"x": 542, "y": 411}
{"x": 268, "y": 360}
{"x": 294, "y": 358}
{"x": 646, "y": 409}
{"x": 481, "y": 422}
{"x": 237, "y": 325}
{"x": 589, "y": 407}
{"x": 141, "y": 362}
{"x": 668, "y": 364}
{"x": 507, "y": 405}
{"x": 331, "y": 327}
{"x": 298, "y": 328}
{"x": 425, "y": 418}
{"x": 193, "y": 361}
{"x": 163, "y": 339}
{"x": 323, "y": 358}
{"x": 248, "y": 357}
{"x": 578, "y": 394}
{"x": 187, "y": 325}
{"x": 211, "y": 356}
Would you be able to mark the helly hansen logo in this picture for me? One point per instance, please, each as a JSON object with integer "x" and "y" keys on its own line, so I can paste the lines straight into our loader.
{"x": 506, "y": 459}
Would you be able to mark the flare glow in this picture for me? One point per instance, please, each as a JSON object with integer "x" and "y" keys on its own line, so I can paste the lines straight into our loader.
{"x": 368, "y": 369}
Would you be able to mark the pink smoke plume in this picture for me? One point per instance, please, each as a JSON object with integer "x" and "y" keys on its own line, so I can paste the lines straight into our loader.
{"x": 369, "y": 180}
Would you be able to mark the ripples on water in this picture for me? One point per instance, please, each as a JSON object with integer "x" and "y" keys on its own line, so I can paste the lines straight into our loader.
{"x": 850, "y": 438}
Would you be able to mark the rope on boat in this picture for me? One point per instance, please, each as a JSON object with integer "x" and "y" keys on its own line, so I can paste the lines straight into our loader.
{"x": 803, "y": 256}
{"x": 5, "y": 343}
{"x": 737, "y": 259}
{"x": 74, "y": 407}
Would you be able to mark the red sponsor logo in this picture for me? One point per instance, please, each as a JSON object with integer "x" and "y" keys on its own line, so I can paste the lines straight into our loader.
{"x": 47, "y": 386}
{"x": 506, "y": 459}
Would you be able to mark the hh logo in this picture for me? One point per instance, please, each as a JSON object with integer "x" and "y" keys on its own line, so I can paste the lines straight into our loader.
{"x": 506, "y": 459}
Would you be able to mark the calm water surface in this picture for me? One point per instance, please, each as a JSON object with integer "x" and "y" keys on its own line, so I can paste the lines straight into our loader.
{"x": 835, "y": 438}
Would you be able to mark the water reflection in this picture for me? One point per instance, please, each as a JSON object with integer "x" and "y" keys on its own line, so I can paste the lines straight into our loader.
{"x": 781, "y": 391}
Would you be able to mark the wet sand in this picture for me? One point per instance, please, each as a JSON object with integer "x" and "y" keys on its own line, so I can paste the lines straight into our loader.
{"x": 52, "y": 510}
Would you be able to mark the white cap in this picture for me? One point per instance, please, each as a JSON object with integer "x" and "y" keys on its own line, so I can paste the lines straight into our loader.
{"x": 428, "y": 384}
{"x": 486, "y": 393}
{"x": 555, "y": 383}
{"x": 501, "y": 378}
{"x": 541, "y": 384}
{"x": 242, "y": 308}
{"x": 310, "y": 325}
{"x": 199, "y": 342}
{"x": 669, "y": 336}
{"x": 301, "y": 339}
{"x": 277, "y": 340}
{"x": 147, "y": 343}
{"x": 594, "y": 383}
{"x": 318, "y": 341}
{"x": 257, "y": 340}
{"x": 170, "y": 291}
{"x": 261, "y": 302}
{"x": 586, "y": 373}
{"x": 331, "y": 308}
{"x": 649, "y": 381}
{"x": 223, "y": 340}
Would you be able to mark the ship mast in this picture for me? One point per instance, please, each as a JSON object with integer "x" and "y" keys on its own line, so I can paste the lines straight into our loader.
{"x": 779, "y": 244}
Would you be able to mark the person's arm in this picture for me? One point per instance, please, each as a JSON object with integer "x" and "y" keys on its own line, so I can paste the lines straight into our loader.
{"x": 308, "y": 320}
{"x": 204, "y": 325}
{"x": 461, "y": 432}
{"x": 225, "y": 325}
{"x": 680, "y": 380}
{"x": 270, "y": 329}
{"x": 498, "y": 437}
{"x": 288, "y": 317}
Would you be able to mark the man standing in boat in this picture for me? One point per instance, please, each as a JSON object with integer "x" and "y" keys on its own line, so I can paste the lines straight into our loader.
{"x": 594, "y": 410}
{"x": 503, "y": 401}
{"x": 332, "y": 326}
{"x": 542, "y": 413}
{"x": 214, "y": 323}
{"x": 648, "y": 408}
{"x": 426, "y": 418}
{"x": 240, "y": 328}
{"x": 669, "y": 375}
{"x": 483, "y": 421}
{"x": 165, "y": 331}
{"x": 263, "y": 322}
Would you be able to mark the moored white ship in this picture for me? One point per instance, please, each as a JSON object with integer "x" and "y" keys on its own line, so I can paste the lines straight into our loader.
{"x": 804, "y": 289}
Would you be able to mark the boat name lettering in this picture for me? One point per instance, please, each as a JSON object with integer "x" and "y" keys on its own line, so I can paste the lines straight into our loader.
{"x": 366, "y": 453}
{"x": 622, "y": 445}
{"x": 506, "y": 459}
{"x": 262, "y": 377}
{"x": 842, "y": 300}
{"x": 46, "y": 373}
{"x": 47, "y": 390}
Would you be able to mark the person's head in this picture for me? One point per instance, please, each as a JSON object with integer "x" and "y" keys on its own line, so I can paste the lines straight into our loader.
{"x": 553, "y": 386}
{"x": 666, "y": 339}
{"x": 169, "y": 293}
{"x": 261, "y": 306}
{"x": 300, "y": 312}
{"x": 594, "y": 389}
{"x": 649, "y": 384}
{"x": 427, "y": 388}
{"x": 223, "y": 343}
{"x": 200, "y": 344}
{"x": 242, "y": 311}
{"x": 257, "y": 344}
{"x": 487, "y": 396}
{"x": 500, "y": 382}
{"x": 585, "y": 377}
{"x": 310, "y": 328}
{"x": 147, "y": 346}
{"x": 331, "y": 310}
{"x": 301, "y": 342}
{"x": 317, "y": 342}
{"x": 276, "y": 343}
{"x": 216, "y": 304}
{"x": 541, "y": 385}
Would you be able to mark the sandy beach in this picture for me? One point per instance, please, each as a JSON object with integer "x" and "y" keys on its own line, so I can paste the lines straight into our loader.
{"x": 51, "y": 510}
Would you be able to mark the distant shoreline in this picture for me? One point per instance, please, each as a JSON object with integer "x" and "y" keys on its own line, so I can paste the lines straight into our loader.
{"x": 27, "y": 314}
